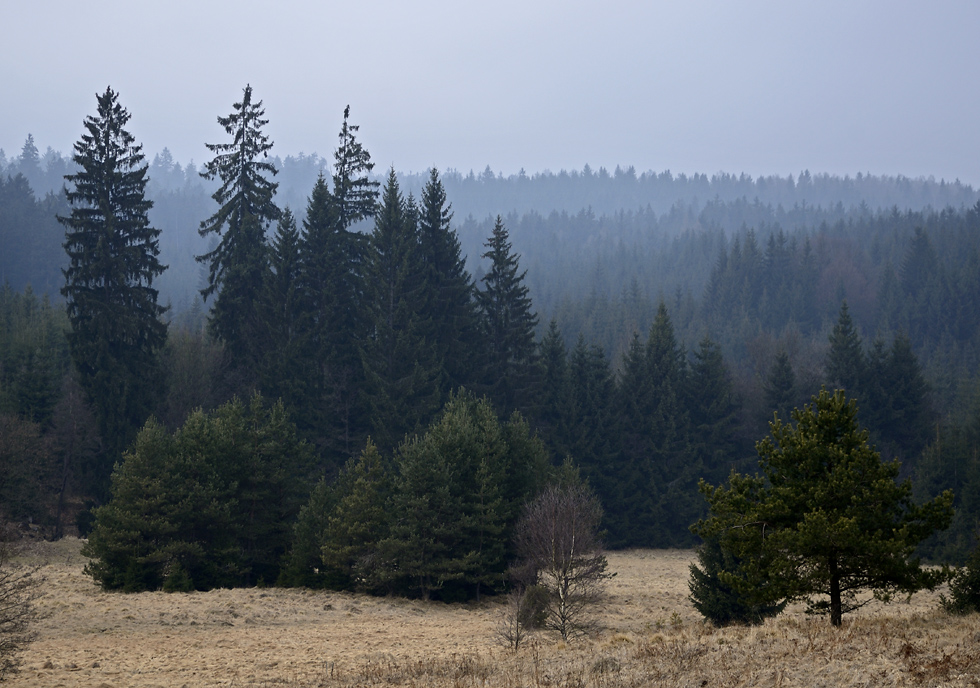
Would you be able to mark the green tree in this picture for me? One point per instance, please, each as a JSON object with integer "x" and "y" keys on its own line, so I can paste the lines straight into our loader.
{"x": 237, "y": 265}
{"x": 400, "y": 366}
{"x": 716, "y": 598}
{"x": 116, "y": 327}
{"x": 779, "y": 387}
{"x": 508, "y": 325}
{"x": 449, "y": 301}
{"x": 825, "y": 520}
{"x": 846, "y": 365}
{"x": 283, "y": 373}
{"x": 359, "y": 521}
{"x": 209, "y": 505}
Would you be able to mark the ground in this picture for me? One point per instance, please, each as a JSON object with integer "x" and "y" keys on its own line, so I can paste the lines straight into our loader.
{"x": 651, "y": 636}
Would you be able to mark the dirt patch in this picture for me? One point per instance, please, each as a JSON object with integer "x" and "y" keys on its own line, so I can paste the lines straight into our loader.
{"x": 651, "y": 636}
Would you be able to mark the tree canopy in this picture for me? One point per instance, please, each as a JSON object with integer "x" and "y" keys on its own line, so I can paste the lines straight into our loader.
{"x": 826, "y": 519}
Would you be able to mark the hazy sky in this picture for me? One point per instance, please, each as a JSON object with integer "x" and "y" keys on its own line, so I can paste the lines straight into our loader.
{"x": 775, "y": 87}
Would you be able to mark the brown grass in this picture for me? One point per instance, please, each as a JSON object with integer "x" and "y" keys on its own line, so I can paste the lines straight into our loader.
{"x": 651, "y": 637}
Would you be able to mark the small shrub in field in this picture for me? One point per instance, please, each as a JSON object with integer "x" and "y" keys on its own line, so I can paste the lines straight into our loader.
{"x": 18, "y": 591}
{"x": 964, "y": 589}
{"x": 717, "y": 600}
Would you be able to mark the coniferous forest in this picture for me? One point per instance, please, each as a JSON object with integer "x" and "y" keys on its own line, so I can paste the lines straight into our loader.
{"x": 307, "y": 371}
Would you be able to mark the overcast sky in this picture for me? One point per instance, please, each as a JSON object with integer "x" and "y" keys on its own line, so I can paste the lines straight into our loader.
{"x": 887, "y": 87}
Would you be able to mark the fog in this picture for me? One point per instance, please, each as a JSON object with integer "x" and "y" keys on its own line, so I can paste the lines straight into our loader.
{"x": 756, "y": 87}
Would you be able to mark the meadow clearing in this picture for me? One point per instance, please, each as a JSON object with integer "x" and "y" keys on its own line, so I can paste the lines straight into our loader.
{"x": 650, "y": 636}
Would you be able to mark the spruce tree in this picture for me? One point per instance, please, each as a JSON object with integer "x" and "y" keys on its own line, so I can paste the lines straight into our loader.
{"x": 449, "y": 299}
{"x": 508, "y": 325}
{"x": 116, "y": 330}
{"x": 283, "y": 374}
{"x": 237, "y": 265}
{"x": 334, "y": 287}
{"x": 780, "y": 387}
{"x": 400, "y": 366}
{"x": 845, "y": 360}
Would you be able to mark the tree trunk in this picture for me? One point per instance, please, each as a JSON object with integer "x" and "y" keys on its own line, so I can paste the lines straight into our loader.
{"x": 836, "y": 610}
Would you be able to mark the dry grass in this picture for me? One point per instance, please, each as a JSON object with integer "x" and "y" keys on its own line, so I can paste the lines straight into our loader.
{"x": 651, "y": 637}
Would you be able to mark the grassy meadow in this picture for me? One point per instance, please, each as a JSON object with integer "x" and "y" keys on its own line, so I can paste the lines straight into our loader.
{"x": 650, "y": 636}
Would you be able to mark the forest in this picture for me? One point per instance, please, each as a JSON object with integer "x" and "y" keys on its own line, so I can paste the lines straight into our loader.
{"x": 332, "y": 377}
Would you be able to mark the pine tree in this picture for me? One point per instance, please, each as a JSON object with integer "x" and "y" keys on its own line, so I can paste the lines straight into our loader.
{"x": 116, "y": 330}
{"x": 508, "y": 325}
{"x": 237, "y": 266}
{"x": 400, "y": 367}
{"x": 803, "y": 530}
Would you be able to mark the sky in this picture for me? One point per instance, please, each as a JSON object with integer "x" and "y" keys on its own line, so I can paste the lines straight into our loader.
{"x": 757, "y": 87}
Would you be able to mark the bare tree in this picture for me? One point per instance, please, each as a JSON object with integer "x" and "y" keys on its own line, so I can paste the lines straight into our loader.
{"x": 558, "y": 543}
{"x": 19, "y": 589}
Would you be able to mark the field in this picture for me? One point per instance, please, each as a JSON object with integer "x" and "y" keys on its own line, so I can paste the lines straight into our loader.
{"x": 651, "y": 636}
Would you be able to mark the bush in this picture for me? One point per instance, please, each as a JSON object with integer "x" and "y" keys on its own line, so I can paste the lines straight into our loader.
{"x": 718, "y": 601}
{"x": 19, "y": 588}
{"x": 964, "y": 588}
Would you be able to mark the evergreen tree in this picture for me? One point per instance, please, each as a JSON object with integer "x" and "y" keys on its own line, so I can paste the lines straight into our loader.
{"x": 780, "y": 387}
{"x": 116, "y": 328}
{"x": 508, "y": 325}
{"x": 334, "y": 281}
{"x": 553, "y": 409}
{"x": 909, "y": 416}
{"x": 359, "y": 521}
{"x": 400, "y": 367}
{"x": 449, "y": 299}
{"x": 634, "y": 517}
{"x": 713, "y": 413}
{"x": 283, "y": 372}
{"x": 803, "y": 529}
{"x": 355, "y": 193}
{"x": 845, "y": 359}
{"x": 667, "y": 426}
{"x": 237, "y": 265}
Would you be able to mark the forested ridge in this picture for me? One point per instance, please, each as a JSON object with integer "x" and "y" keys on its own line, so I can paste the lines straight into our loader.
{"x": 400, "y": 336}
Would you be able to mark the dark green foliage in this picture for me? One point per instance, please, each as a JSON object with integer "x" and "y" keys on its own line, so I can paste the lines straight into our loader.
{"x": 438, "y": 521}
{"x": 508, "y": 325}
{"x": 804, "y": 528}
{"x": 210, "y": 505}
{"x": 780, "y": 387}
{"x": 718, "y": 600}
{"x": 964, "y": 588}
{"x": 116, "y": 327}
{"x": 358, "y": 522}
{"x": 401, "y": 370}
{"x": 846, "y": 365}
{"x": 449, "y": 302}
{"x": 283, "y": 369}
{"x": 303, "y": 565}
{"x": 237, "y": 265}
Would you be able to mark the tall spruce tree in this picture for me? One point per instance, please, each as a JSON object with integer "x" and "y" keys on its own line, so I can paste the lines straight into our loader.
{"x": 334, "y": 285}
{"x": 400, "y": 367}
{"x": 508, "y": 325}
{"x": 449, "y": 296}
{"x": 283, "y": 374}
{"x": 846, "y": 364}
{"x": 237, "y": 265}
{"x": 116, "y": 330}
